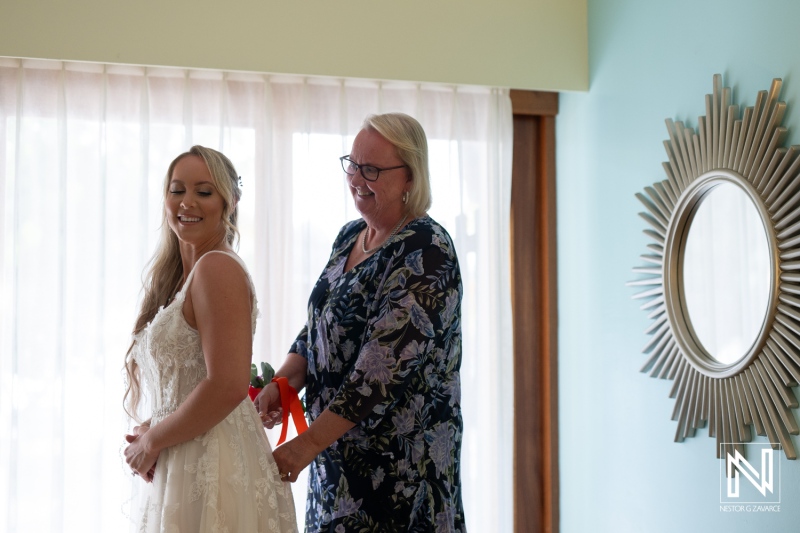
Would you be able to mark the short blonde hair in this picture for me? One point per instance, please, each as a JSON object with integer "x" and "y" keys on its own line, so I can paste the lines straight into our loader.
{"x": 408, "y": 137}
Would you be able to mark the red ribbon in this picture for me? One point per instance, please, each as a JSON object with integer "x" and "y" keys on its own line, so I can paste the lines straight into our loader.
{"x": 290, "y": 404}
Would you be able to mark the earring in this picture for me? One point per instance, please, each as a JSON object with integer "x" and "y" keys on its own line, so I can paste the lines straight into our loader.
{"x": 405, "y": 197}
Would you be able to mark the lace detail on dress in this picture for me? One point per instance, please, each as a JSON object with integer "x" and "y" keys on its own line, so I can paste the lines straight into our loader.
{"x": 222, "y": 481}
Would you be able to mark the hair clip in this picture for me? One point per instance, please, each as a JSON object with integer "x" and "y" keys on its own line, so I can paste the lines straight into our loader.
{"x": 240, "y": 181}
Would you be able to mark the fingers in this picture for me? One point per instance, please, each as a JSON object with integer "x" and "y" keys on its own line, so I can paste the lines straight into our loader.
{"x": 146, "y": 477}
{"x": 138, "y": 461}
{"x": 271, "y": 418}
{"x": 290, "y": 461}
{"x": 138, "y": 431}
{"x": 261, "y": 401}
{"x": 268, "y": 398}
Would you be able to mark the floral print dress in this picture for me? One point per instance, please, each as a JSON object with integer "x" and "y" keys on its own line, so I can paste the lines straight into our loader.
{"x": 383, "y": 344}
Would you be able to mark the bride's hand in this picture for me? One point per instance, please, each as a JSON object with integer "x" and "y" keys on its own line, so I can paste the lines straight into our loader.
{"x": 138, "y": 431}
{"x": 141, "y": 460}
{"x": 268, "y": 405}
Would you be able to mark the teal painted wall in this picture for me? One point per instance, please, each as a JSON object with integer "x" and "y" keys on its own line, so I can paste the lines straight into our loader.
{"x": 649, "y": 60}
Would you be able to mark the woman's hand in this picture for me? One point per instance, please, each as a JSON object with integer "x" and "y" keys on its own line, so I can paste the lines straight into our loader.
{"x": 298, "y": 453}
{"x": 268, "y": 405}
{"x": 292, "y": 457}
{"x": 268, "y": 401}
{"x": 141, "y": 459}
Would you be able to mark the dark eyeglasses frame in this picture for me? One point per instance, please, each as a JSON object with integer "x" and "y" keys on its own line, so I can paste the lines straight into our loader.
{"x": 346, "y": 162}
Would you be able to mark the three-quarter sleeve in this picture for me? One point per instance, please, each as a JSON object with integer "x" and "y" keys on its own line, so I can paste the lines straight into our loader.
{"x": 300, "y": 346}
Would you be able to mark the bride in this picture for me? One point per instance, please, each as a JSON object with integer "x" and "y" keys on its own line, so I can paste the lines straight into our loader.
{"x": 202, "y": 458}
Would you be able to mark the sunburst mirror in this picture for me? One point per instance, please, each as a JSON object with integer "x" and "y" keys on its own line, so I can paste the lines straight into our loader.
{"x": 721, "y": 276}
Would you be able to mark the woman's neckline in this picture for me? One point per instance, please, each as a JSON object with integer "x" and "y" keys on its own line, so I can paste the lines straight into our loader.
{"x": 356, "y": 242}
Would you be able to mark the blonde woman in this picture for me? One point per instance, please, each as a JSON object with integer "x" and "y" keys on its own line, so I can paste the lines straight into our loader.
{"x": 202, "y": 459}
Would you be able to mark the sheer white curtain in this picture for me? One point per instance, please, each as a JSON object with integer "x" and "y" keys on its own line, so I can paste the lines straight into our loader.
{"x": 83, "y": 151}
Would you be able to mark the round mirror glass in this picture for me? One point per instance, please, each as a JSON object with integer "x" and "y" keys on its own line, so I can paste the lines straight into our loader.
{"x": 726, "y": 273}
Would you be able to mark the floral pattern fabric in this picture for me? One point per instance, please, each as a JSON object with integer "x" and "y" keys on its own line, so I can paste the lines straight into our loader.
{"x": 383, "y": 344}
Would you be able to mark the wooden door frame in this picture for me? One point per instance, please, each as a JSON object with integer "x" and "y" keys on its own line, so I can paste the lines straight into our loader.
{"x": 534, "y": 306}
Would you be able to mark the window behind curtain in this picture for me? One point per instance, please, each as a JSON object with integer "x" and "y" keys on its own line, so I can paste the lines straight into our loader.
{"x": 83, "y": 153}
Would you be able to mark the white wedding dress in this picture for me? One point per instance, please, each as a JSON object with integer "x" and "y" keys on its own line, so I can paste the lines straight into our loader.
{"x": 224, "y": 481}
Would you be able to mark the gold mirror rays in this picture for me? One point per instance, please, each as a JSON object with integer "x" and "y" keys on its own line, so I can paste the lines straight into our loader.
{"x": 755, "y": 392}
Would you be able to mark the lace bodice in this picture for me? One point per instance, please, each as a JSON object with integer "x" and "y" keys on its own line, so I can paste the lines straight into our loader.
{"x": 223, "y": 481}
{"x": 170, "y": 356}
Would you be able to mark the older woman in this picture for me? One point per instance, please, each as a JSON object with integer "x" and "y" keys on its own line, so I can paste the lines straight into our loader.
{"x": 379, "y": 356}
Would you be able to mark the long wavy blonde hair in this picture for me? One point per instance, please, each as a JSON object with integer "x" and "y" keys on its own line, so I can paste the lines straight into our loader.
{"x": 165, "y": 269}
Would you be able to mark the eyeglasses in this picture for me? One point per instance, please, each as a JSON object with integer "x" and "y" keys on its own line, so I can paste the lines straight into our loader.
{"x": 369, "y": 172}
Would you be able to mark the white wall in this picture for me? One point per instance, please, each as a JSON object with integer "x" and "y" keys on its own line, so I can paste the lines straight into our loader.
{"x": 524, "y": 44}
{"x": 620, "y": 469}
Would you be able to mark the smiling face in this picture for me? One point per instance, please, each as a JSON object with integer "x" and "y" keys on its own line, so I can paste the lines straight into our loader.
{"x": 379, "y": 202}
{"x": 194, "y": 206}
